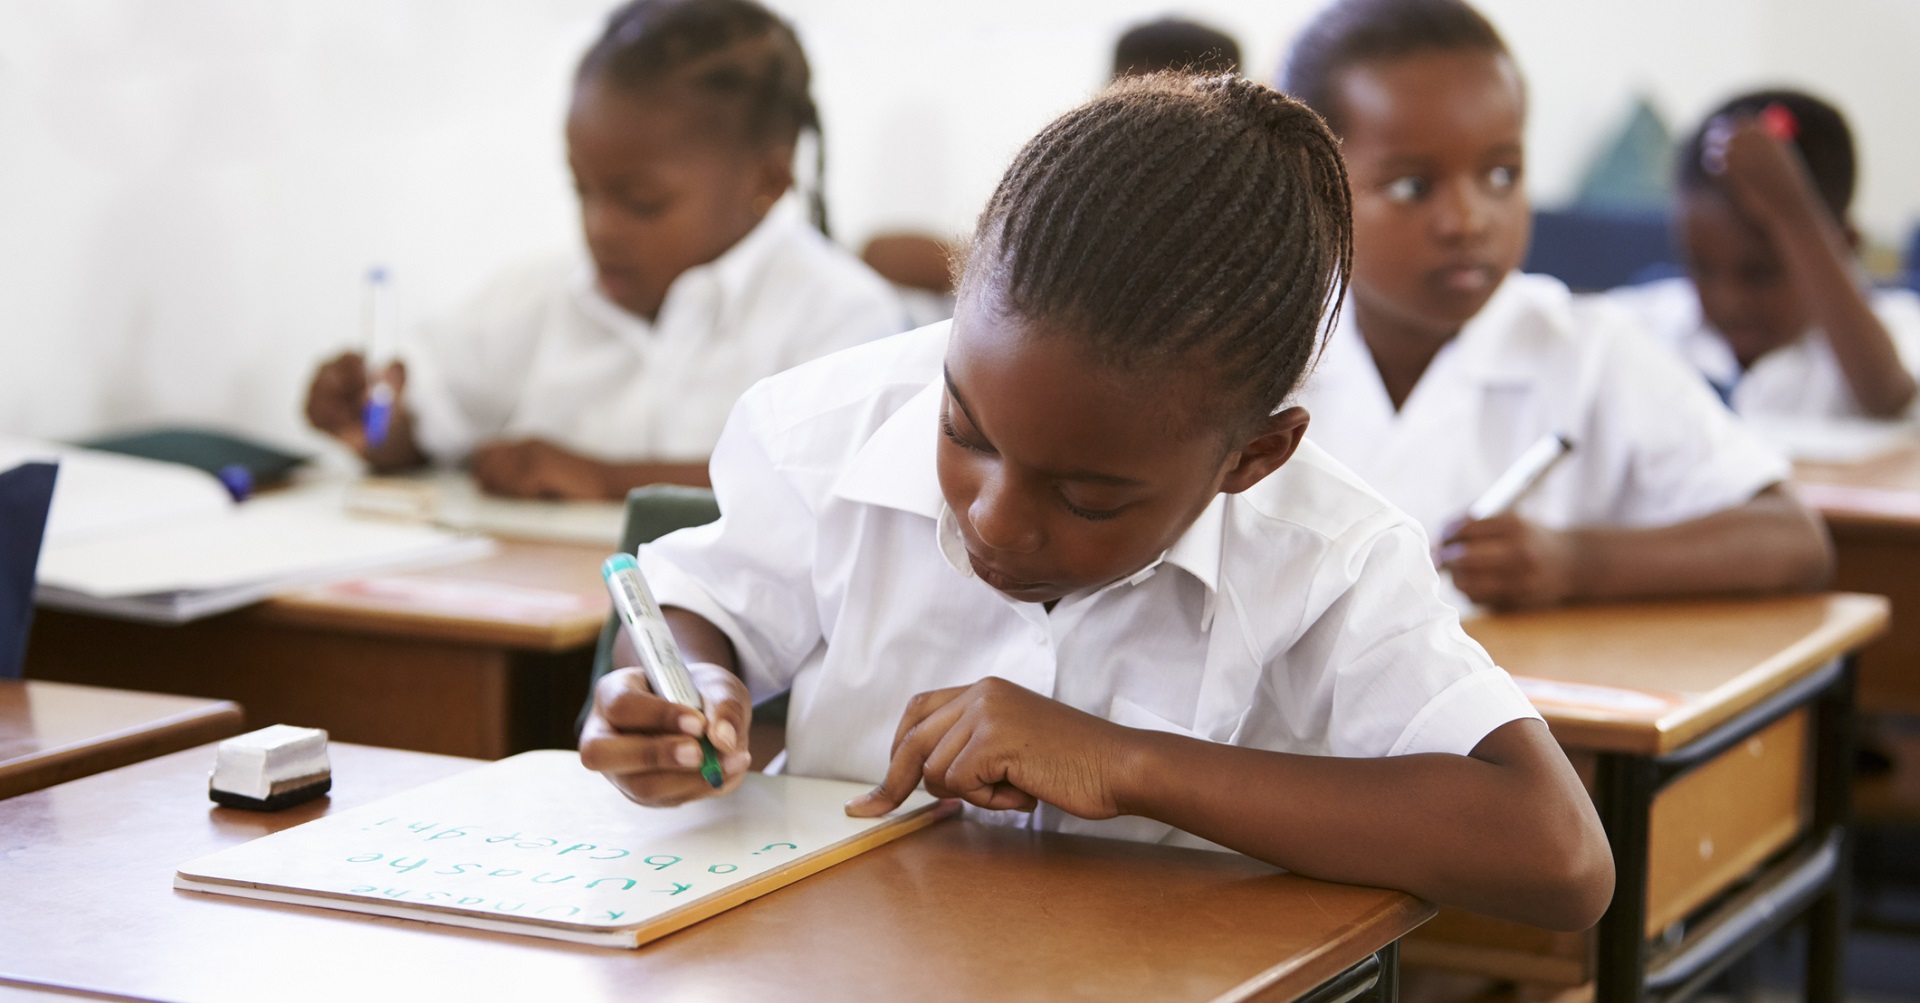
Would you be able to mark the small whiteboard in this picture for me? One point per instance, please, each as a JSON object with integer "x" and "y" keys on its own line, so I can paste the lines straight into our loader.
{"x": 539, "y": 845}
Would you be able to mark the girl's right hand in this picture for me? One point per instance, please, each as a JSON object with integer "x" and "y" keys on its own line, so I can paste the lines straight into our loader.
{"x": 647, "y": 745}
{"x": 337, "y": 398}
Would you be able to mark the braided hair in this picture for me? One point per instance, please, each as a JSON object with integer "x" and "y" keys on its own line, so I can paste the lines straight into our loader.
{"x": 1821, "y": 136}
{"x": 1178, "y": 222}
{"x": 738, "y": 59}
{"x": 1351, "y": 32}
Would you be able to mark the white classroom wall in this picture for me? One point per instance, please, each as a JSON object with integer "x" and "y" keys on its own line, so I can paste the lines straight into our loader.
{"x": 191, "y": 190}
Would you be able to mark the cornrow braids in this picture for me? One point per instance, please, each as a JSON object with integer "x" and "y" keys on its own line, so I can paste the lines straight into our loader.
{"x": 1179, "y": 222}
{"x": 1821, "y": 137}
{"x": 736, "y": 56}
{"x": 1350, "y": 32}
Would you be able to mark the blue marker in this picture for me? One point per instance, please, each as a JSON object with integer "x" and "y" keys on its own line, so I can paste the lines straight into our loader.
{"x": 377, "y": 414}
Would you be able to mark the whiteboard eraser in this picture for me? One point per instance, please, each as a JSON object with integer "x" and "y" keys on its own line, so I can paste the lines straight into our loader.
{"x": 271, "y": 769}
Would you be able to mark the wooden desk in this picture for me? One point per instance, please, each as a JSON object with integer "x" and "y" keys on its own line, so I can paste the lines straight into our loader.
{"x": 1873, "y": 511}
{"x": 51, "y": 733}
{"x": 957, "y": 911}
{"x": 483, "y": 658}
{"x": 1714, "y": 737}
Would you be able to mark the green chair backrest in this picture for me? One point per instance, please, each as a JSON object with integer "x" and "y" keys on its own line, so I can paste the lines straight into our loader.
{"x": 652, "y": 512}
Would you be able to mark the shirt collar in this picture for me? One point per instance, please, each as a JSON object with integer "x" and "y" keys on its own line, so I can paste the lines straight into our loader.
{"x": 895, "y": 468}
{"x": 1504, "y": 342}
{"x": 1497, "y": 346}
{"x": 715, "y": 288}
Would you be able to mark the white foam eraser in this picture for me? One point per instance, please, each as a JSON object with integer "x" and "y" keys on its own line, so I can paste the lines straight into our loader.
{"x": 271, "y": 768}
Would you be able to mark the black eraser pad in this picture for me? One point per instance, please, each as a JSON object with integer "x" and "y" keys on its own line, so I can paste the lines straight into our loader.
{"x": 271, "y": 769}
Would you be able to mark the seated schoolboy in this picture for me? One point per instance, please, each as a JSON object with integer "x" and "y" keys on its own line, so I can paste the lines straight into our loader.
{"x": 1448, "y": 364}
{"x": 580, "y": 379}
{"x": 1066, "y": 556}
{"x": 1774, "y": 310}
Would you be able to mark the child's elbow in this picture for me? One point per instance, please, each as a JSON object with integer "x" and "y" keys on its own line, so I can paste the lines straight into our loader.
{"x": 1575, "y": 890}
{"x": 1799, "y": 542}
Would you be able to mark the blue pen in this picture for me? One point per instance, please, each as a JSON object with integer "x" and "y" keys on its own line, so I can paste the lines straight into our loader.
{"x": 377, "y": 414}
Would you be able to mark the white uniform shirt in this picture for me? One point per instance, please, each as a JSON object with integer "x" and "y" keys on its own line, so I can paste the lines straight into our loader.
{"x": 542, "y": 353}
{"x": 1801, "y": 379}
{"x": 1301, "y": 616}
{"x": 1652, "y": 446}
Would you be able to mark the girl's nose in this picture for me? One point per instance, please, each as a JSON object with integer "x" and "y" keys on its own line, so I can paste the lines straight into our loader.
{"x": 1463, "y": 211}
{"x": 1005, "y": 519}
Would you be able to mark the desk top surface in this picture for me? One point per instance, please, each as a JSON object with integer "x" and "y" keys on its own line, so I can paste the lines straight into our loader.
{"x": 1650, "y": 677}
{"x": 1883, "y": 491}
{"x": 546, "y": 596}
{"x": 956, "y": 911}
{"x": 45, "y": 726}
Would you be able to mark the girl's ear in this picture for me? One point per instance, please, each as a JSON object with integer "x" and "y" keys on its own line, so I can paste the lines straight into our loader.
{"x": 1272, "y": 445}
{"x": 772, "y": 176}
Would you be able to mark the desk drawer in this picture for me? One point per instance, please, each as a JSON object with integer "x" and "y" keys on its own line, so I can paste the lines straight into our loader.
{"x": 1708, "y": 829}
{"x": 1717, "y": 823}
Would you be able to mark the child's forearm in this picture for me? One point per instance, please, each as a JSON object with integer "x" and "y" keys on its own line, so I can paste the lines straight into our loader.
{"x": 1821, "y": 263}
{"x": 620, "y": 478}
{"x": 698, "y": 638}
{"x": 1508, "y": 831}
{"x": 1770, "y": 544}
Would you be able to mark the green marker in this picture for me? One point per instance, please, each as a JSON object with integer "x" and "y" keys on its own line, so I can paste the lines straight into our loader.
{"x": 647, "y": 628}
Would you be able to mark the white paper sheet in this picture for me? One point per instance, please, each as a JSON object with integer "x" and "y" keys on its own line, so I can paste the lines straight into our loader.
{"x": 104, "y": 494}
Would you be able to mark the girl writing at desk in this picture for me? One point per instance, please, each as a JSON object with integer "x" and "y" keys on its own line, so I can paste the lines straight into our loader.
{"x": 1067, "y": 557}
{"x": 579, "y": 379}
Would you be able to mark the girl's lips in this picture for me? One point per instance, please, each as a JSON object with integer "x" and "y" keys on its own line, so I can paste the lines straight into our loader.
{"x": 1465, "y": 278}
{"x": 986, "y": 573}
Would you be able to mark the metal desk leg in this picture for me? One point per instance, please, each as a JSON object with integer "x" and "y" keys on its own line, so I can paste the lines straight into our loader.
{"x": 1375, "y": 979}
{"x": 1827, "y": 918}
{"x": 1626, "y": 785}
{"x": 1387, "y": 990}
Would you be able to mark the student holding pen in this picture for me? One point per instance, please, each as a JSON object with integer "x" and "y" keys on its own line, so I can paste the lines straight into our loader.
{"x": 1448, "y": 364}
{"x": 581, "y": 378}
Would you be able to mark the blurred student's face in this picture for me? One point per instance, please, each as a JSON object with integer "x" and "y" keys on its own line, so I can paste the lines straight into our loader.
{"x": 1745, "y": 290}
{"x": 659, "y": 194}
{"x": 1433, "y": 149}
{"x": 1062, "y": 474}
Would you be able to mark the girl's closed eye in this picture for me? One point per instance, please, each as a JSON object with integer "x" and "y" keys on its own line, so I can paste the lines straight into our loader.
{"x": 1090, "y": 514}
{"x": 953, "y": 435}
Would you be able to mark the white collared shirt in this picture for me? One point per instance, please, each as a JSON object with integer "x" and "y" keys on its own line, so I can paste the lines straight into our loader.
{"x": 542, "y": 353}
{"x": 1801, "y": 379}
{"x": 1301, "y": 616}
{"x": 1652, "y": 445}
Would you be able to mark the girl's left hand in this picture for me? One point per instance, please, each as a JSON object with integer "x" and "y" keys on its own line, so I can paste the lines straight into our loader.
{"x": 999, "y": 746}
{"x": 535, "y": 468}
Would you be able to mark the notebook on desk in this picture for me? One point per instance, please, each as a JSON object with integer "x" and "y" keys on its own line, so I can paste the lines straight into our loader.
{"x": 538, "y": 845}
{"x": 145, "y": 540}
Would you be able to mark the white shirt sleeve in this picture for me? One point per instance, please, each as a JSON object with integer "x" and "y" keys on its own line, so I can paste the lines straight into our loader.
{"x": 1688, "y": 456}
{"x": 466, "y": 373}
{"x": 1391, "y": 671}
{"x": 751, "y": 573}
